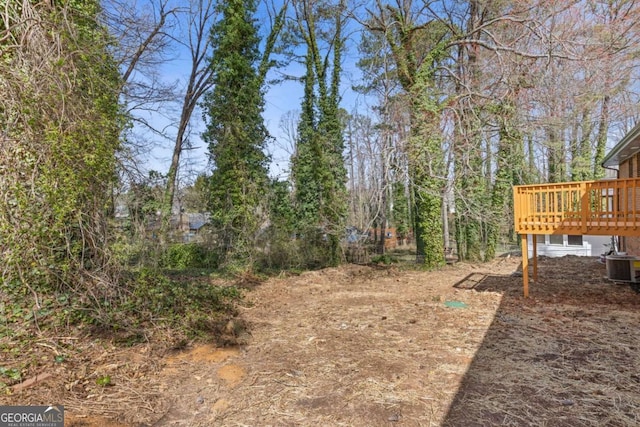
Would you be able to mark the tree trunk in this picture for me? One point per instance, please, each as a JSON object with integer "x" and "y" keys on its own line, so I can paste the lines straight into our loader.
{"x": 601, "y": 141}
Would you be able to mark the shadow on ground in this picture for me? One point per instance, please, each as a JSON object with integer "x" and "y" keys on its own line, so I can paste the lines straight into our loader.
{"x": 567, "y": 356}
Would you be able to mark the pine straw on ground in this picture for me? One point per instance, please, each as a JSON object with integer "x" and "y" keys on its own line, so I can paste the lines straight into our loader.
{"x": 364, "y": 346}
{"x": 376, "y": 346}
{"x": 569, "y": 356}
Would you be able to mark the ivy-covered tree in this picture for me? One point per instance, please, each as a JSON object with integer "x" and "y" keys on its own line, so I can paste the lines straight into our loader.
{"x": 510, "y": 152}
{"x": 318, "y": 169}
{"x": 418, "y": 48}
{"x": 235, "y": 130}
{"x": 60, "y": 125}
{"x": 401, "y": 212}
{"x": 281, "y": 212}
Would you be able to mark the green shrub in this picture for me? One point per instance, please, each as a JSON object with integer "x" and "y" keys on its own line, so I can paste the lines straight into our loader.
{"x": 189, "y": 255}
{"x": 286, "y": 253}
{"x": 280, "y": 254}
{"x": 128, "y": 254}
{"x": 160, "y": 295}
{"x": 383, "y": 259}
{"x": 142, "y": 300}
{"x": 193, "y": 308}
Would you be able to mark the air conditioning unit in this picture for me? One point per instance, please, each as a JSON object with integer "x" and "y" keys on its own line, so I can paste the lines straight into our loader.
{"x": 623, "y": 268}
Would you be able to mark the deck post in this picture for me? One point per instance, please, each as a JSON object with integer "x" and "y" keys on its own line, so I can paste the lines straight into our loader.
{"x": 584, "y": 207}
{"x": 525, "y": 264}
{"x": 534, "y": 238}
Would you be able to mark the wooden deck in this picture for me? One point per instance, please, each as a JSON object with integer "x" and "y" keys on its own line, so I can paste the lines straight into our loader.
{"x": 605, "y": 208}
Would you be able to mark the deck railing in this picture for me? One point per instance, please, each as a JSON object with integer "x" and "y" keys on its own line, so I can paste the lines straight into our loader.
{"x": 607, "y": 207}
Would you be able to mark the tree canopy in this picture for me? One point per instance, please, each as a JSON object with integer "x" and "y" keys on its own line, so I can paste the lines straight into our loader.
{"x": 458, "y": 102}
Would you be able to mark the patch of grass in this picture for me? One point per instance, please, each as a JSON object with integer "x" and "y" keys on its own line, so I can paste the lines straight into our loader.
{"x": 104, "y": 381}
{"x": 12, "y": 374}
{"x": 385, "y": 259}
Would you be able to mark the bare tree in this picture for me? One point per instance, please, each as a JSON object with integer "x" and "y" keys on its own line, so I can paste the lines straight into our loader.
{"x": 200, "y": 17}
{"x": 144, "y": 32}
{"x": 286, "y": 145}
{"x": 144, "y": 40}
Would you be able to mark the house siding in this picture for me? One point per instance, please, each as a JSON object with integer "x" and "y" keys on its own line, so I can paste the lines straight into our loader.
{"x": 630, "y": 168}
{"x": 624, "y": 170}
{"x": 591, "y": 246}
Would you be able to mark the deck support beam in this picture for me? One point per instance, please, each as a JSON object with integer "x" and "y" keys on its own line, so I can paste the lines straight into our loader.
{"x": 534, "y": 237}
{"x": 524, "y": 244}
{"x": 525, "y": 261}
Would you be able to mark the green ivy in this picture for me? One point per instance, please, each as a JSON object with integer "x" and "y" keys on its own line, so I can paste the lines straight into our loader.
{"x": 56, "y": 175}
{"x": 235, "y": 131}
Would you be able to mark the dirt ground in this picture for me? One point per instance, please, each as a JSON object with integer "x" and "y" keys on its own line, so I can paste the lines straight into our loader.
{"x": 381, "y": 346}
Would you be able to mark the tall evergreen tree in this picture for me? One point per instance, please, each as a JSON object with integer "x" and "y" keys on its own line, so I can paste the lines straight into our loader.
{"x": 318, "y": 168}
{"x": 235, "y": 129}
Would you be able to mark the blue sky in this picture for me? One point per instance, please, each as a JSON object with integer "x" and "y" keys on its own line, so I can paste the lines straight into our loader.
{"x": 279, "y": 100}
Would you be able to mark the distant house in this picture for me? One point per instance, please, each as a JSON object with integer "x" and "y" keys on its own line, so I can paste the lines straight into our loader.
{"x": 191, "y": 224}
{"x": 390, "y": 237}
